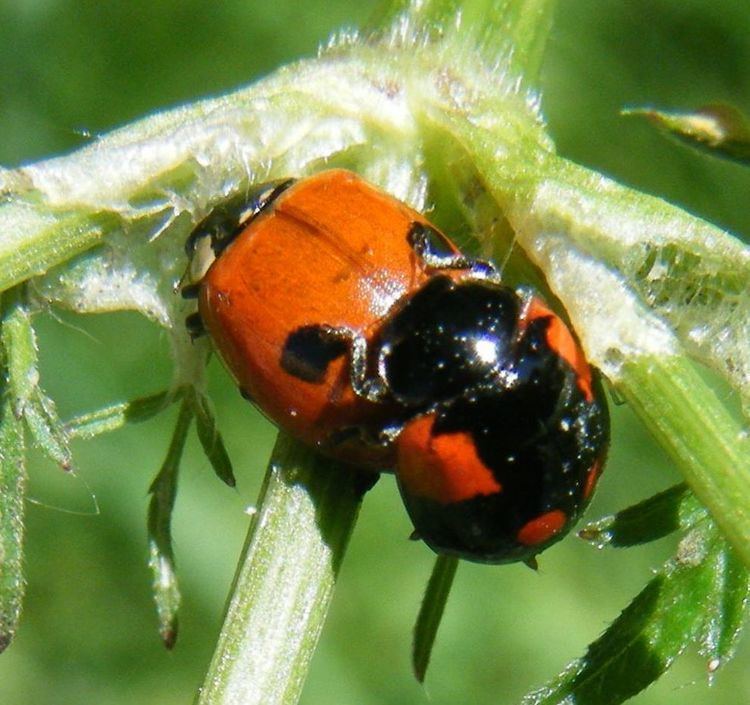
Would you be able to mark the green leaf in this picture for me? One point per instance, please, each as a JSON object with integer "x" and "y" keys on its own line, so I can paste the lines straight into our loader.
{"x": 12, "y": 491}
{"x": 111, "y": 418}
{"x": 698, "y": 598}
{"x": 47, "y": 430}
{"x": 27, "y": 398}
{"x": 431, "y": 612}
{"x": 211, "y": 440}
{"x": 285, "y": 581}
{"x": 726, "y": 613}
{"x": 161, "y": 555}
{"x": 720, "y": 130}
{"x": 674, "y": 509}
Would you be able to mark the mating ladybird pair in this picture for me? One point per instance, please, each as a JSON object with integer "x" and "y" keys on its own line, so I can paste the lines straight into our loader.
{"x": 360, "y": 329}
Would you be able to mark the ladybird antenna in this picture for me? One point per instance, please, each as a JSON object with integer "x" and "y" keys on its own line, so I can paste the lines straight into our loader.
{"x": 508, "y": 253}
{"x": 180, "y": 284}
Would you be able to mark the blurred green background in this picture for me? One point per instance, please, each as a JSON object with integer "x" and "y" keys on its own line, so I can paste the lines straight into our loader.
{"x": 70, "y": 68}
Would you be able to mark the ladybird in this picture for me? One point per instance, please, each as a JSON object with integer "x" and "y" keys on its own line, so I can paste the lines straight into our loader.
{"x": 359, "y": 328}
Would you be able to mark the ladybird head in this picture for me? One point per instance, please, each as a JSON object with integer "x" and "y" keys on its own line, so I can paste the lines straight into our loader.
{"x": 448, "y": 338}
{"x": 221, "y": 226}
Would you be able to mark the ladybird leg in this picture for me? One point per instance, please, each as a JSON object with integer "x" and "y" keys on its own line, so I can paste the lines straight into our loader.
{"x": 426, "y": 241}
{"x": 190, "y": 291}
{"x": 389, "y": 434}
{"x": 364, "y": 481}
{"x": 370, "y": 388}
{"x": 194, "y": 325}
{"x": 364, "y": 436}
{"x": 246, "y": 395}
{"x": 358, "y": 435}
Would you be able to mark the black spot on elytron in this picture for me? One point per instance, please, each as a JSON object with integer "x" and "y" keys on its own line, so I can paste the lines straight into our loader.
{"x": 309, "y": 350}
{"x": 447, "y": 338}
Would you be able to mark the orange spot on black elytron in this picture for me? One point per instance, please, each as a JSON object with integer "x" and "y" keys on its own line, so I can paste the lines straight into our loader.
{"x": 444, "y": 467}
{"x": 591, "y": 478}
{"x": 561, "y": 341}
{"x": 543, "y": 528}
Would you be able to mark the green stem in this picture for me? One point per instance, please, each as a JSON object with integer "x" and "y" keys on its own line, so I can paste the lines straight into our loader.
{"x": 513, "y": 31}
{"x": 285, "y": 580}
{"x": 12, "y": 464}
{"x": 710, "y": 446}
{"x": 12, "y": 493}
{"x": 51, "y": 239}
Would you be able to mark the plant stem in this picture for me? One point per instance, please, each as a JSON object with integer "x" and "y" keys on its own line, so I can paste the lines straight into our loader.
{"x": 12, "y": 494}
{"x": 710, "y": 446}
{"x": 285, "y": 580}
